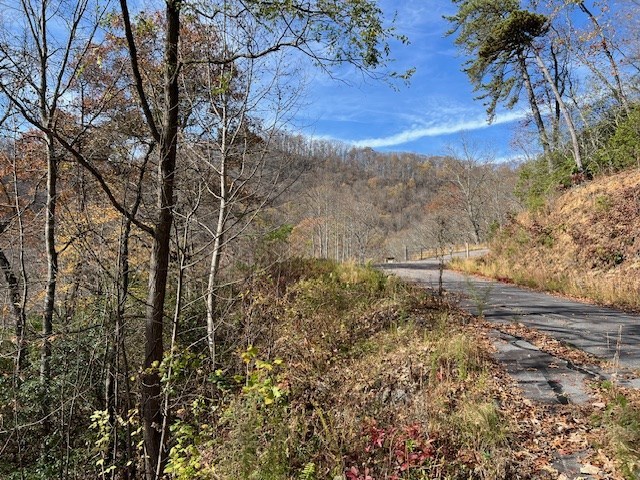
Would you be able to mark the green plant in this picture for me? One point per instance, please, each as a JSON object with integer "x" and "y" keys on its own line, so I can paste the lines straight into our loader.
{"x": 603, "y": 203}
{"x": 622, "y": 148}
{"x": 101, "y": 424}
{"x": 536, "y": 183}
{"x": 479, "y": 294}
{"x": 105, "y": 431}
{"x": 260, "y": 380}
{"x": 255, "y": 423}
{"x": 190, "y": 442}
{"x": 308, "y": 472}
{"x": 621, "y": 420}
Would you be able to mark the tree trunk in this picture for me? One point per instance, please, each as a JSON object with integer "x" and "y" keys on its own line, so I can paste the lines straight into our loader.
{"x": 476, "y": 227}
{"x": 15, "y": 300}
{"x": 155, "y": 454}
{"x": 52, "y": 276}
{"x": 215, "y": 259}
{"x": 565, "y": 113}
{"x": 19, "y": 309}
{"x": 154, "y": 350}
{"x": 116, "y": 349}
{"x": 557, "y": 111}
{"x": 537, "y": 117}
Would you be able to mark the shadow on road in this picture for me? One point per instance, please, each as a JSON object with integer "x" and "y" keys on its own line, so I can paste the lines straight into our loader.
{"x": 601, "y": 331}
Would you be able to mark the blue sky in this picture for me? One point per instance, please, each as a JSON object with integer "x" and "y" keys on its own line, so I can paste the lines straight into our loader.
{"x": 429, "y": 115}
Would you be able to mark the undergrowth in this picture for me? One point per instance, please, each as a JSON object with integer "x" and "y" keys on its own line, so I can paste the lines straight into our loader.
{"x": 621, "y": 426}
{"x": 359, "y": 377}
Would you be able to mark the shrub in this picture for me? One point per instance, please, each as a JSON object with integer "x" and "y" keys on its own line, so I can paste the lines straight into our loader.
{"x": 622, "y": 149}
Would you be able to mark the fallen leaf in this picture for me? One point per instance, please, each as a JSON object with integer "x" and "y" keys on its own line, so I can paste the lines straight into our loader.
{"x": 589, "y": 469}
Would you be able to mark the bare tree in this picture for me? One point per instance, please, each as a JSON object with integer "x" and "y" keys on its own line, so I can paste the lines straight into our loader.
{"x": 37, "y": 73}
{"x": 15, "y": 275}
{"x": 590, "y": 43}
{"x": 348, "y": 31}
{"x": 468, "y": 171}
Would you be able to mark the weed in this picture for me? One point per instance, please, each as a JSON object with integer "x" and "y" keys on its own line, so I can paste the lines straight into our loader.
{"x": 454, "y": 357}
{"x": 482, "y": 426}
{"x": 621, "y": 422}
{"x": 308, "y": 472}
{"x": 603, "y": 203}
{"x": 479, "y": 295}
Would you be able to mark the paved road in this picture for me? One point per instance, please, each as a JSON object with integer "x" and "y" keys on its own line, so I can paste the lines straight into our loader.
{"x": 607, "y": 333}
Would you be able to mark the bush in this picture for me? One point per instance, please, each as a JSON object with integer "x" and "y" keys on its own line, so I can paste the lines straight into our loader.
{"x": 622, "y": 149}
{"x": 536, "y": 183}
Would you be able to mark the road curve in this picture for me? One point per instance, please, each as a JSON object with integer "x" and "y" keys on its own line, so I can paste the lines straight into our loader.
{"x": 607, "y": 333}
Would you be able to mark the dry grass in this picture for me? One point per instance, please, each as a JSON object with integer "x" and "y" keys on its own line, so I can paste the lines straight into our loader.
{"x": 617, "y": 289}
{"x": 432, "y": 382}
{"x": 585, "y": 244}
{"x": 619, "y": 419}
{"x": 380, "y": 380}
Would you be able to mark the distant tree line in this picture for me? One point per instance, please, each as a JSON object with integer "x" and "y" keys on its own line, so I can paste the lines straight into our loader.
{"x": 359, "y": 204}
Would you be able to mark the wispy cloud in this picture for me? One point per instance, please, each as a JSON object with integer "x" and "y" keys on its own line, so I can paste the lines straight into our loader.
{"x": 434, "y": 130}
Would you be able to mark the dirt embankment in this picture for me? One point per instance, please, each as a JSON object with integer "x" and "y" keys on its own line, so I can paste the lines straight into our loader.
{"x": 584, "y": 243}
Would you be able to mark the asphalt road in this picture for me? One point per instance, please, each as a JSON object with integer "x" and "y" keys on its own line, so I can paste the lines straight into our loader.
{"x": 607, "y": 333}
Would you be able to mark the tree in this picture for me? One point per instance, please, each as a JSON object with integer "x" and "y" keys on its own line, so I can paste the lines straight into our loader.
{"x": 439, "y": 231}
{"x": 108, "y": 108}
{"x": 597, "y": 41}
{"x": 469, "y": 172}
{"x": 330, "y": 33}
{"x": 499, "y": 35}
{"x": 502, "y": 79}
{"x": 239, "y": 170}
{"x": 15, "y": 276}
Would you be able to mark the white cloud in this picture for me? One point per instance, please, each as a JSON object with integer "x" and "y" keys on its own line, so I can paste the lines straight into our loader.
{"x": 434, "y": 130}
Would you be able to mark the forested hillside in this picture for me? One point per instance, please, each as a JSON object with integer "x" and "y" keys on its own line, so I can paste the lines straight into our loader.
{"x": 174, "y": 303}
{"x": 359, "y": 204}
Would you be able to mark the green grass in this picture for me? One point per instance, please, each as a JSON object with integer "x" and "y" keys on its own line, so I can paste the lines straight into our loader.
{"x": 621, "y": 423}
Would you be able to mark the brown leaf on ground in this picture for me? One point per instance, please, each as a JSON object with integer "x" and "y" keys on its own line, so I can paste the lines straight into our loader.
{"x": 546, "y": 432}
{"x": 589, "y": 469}
{"x": 546, "y": 343}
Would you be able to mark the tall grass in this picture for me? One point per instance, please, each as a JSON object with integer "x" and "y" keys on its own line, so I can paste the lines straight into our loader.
{"x": 621, "y": 422}
{"x": 377, "y": 378}
{"x": 616, "y": 289}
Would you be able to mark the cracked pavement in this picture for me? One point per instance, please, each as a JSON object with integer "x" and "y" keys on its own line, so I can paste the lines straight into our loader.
{"x": 607, "y": 333}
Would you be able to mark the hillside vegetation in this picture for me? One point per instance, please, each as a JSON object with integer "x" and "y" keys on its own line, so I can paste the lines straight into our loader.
{"x": 329, "y": 371}
{"x": 584, "y": 243}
